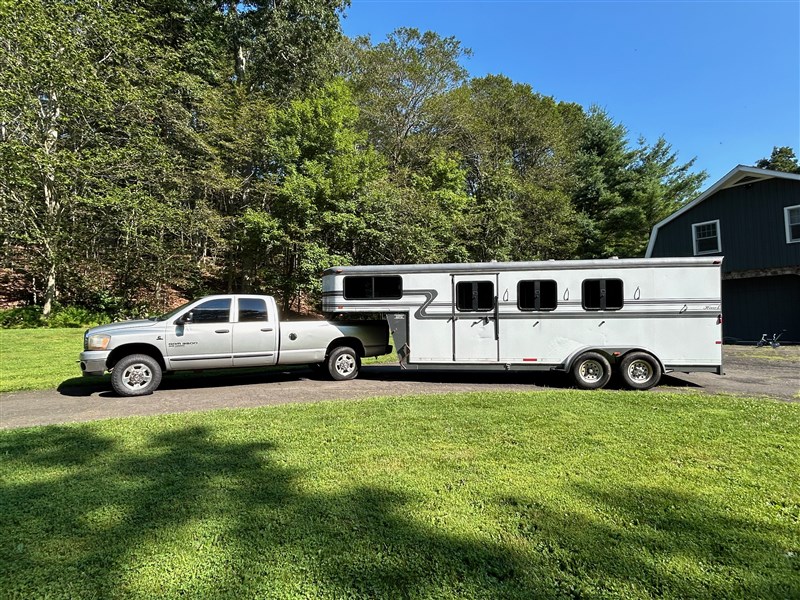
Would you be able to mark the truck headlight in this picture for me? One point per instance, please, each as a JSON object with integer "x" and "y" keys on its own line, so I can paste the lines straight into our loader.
{"x": 99, "y": 341}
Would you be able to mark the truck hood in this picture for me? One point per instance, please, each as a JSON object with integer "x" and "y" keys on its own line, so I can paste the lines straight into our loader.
{"x": 111, "y": 328}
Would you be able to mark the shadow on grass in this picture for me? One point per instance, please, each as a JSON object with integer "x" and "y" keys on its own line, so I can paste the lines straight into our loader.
{"x": 656, "y": 542}
{"x": 185, "y": 513}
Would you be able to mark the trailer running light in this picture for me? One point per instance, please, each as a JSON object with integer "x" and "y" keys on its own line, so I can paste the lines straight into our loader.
{"x": 719, "y": 341}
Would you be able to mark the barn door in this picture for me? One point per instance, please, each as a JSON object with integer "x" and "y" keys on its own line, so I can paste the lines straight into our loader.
{"x": 475, "y": 314}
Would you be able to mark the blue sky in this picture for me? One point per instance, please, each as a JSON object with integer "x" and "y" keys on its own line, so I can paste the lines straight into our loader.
{"x": 719, "y": 80}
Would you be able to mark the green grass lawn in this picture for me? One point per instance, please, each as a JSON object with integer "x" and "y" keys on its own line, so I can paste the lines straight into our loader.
{"x": 557, "y": 494}
{"x": 36, "y": 359}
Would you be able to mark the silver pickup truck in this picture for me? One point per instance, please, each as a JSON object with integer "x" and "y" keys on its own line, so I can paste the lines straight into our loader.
{"x": 218, "y": 332}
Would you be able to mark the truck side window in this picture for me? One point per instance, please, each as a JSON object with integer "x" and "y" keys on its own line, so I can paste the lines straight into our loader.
{"x": 212, "y": 311}
{"x": 388, "y": 287}
{"x": 537, "y": 295}
{"x": 602, "y": 294}
{"x": 475, "y": 296}
{"x": 252, "y": 309}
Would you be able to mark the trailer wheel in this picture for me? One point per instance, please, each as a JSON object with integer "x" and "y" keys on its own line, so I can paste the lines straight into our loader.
{"x": 343, "y": 363}
{"x": 640, "y": 371}
{"x": 136, "y": 375}
{"x": 591, "y": 371}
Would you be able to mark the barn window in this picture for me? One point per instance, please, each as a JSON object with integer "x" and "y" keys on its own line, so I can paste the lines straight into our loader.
{"x": 602, "y": 294}
{"x": 706, "y": 238}
{"x": 537, "y": 295}
{"x": 791, "y": 215}
{"x": 475, "y": 296}
{"x": 387, "y": 287}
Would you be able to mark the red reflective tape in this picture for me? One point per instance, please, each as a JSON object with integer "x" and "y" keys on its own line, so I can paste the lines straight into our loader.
{"x": 529, "y": 359}
{"x": 719, "y": 342}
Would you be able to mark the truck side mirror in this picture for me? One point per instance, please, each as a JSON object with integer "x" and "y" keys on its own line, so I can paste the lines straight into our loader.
{"x": 185, "y": 318}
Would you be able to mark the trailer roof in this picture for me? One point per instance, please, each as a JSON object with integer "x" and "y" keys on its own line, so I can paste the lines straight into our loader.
{"x": 555, "y": 265}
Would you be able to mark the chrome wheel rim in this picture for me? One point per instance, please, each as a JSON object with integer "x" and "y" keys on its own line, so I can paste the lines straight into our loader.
{"x": 137, "y": 376}
{"x": 640, "y": 371}
{"x": 591, "y": 371}
{"x": 345, "y": 364}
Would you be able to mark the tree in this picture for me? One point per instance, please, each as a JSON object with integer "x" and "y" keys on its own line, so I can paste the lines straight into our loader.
{"x": 620, "y": 193}
{"x": 399, "y": 85}
{"x": 517, "y": 148}
{"x": 781, "y": 159}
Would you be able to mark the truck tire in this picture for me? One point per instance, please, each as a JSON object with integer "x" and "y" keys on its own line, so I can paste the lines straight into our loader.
{"x": 136, "y": 375}
{"x": 591, "y": 371}
{"x": 343, "y": 363}
{"x": 640, "y": 371}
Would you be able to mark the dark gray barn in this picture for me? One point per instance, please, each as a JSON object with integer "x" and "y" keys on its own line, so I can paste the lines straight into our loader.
{"x": 752, "y": 218}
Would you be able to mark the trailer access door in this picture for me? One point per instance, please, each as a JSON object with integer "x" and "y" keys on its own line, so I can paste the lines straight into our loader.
{"x": 475, "y": 315}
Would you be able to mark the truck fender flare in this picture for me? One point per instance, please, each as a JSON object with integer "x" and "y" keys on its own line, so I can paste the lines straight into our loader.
{"x": 135, "y": 348}
{"x": 353, "y": 342}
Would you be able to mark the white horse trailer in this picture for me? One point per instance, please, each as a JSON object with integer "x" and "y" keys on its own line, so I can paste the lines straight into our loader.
{"x": 643, "y": 317}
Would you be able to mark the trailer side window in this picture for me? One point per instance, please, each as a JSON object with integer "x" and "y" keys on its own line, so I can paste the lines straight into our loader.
{"x": 475, "y": 295}
{"x": 602, "y": 294}
{"x": 537, "y": 295}
{"x": 388, "y": 287}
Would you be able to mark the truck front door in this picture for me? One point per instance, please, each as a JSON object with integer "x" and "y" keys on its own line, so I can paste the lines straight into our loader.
{"x": 255, "y": 334}
{"x": 201, "y": 340}
{"x": 475, "y": 327}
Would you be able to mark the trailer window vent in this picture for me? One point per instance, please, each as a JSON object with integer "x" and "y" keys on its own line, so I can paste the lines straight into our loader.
{"x": 475, "y": 296}
{"x": 602, "y": 294}
{"x": 537, "y": 295}
{"x": 387, "y": 287}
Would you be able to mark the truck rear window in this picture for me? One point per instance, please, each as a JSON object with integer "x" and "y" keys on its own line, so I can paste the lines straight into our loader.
{"x": 384, "y": 287}
{"x": 252, "y": 309}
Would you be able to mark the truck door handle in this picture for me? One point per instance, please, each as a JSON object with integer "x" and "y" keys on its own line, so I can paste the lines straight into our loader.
{"x": 222, "y": 331}
{"x": 266, "y": 329}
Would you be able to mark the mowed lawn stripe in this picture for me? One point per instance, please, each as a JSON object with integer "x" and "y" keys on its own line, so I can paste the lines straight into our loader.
{"x": 513, "y": 495}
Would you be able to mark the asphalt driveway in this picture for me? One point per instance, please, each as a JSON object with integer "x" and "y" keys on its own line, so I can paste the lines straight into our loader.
{"x": 760, "y": 372}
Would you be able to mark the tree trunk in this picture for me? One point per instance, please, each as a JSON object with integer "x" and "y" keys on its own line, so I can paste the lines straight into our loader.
{"x": 50, "y": 112}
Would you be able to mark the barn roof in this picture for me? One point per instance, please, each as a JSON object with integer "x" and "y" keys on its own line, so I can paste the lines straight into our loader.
{"x": 739, "y": 175}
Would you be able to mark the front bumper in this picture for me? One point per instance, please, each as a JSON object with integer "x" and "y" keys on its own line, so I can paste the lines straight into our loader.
{"x": 93, "y": 362}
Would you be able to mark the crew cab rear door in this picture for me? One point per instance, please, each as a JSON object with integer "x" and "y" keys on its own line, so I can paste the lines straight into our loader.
{"x": 255, "y": 332}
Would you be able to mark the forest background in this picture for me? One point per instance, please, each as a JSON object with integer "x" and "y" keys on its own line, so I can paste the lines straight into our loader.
{"x": 156, "y": 150}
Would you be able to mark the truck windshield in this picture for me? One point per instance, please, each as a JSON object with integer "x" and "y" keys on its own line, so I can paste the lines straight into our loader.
{"x": 171, "y": 313}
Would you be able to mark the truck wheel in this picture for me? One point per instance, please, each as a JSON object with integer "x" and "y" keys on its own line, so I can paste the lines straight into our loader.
{"x": 640, "y": 371}
{"x": 343, "y": 363}
{"x": 591, "y": 371}
{"x": 136, "y": 375}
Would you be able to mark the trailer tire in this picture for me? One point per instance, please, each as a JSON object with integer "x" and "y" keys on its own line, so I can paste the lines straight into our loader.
{"x": 136, "y": 375}
{"x": 343, "y": 363}
{"x": 640, "y": 370}
{"x": 591, "y": 371}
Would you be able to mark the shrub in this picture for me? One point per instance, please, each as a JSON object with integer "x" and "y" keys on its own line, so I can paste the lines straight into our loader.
{"x": 22, "y": 317}
{"x": 29, "y": 317}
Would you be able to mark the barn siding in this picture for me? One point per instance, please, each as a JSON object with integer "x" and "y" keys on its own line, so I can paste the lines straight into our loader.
{"x": 751, "y": 226}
